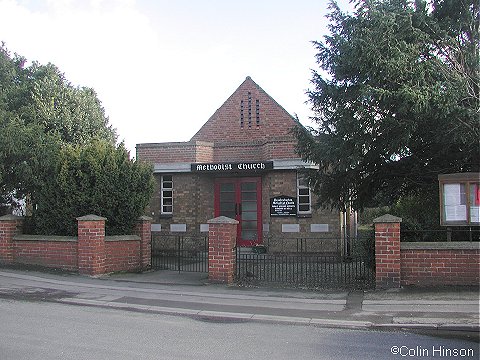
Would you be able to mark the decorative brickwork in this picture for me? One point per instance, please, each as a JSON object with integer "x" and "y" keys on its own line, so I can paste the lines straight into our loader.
{"x": 224, "y": 126}
{"x": 222, "y": 237}
{"x": 387, "y": 251}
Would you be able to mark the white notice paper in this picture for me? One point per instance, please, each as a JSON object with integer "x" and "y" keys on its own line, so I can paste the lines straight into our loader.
{"x": 452, "y": 194}
{"x": 456, "y": 213}
{"x": 475, "y": 214}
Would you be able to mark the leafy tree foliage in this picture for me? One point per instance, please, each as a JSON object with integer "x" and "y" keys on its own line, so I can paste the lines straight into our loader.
{"x": 24, "y": 152}
{"x": 40, "y": 95}
{"x": 39, "y": 112}
{"x": 396, "y": 100}
{"x": 97, "y": 178}
{"x": 57, "y": 148}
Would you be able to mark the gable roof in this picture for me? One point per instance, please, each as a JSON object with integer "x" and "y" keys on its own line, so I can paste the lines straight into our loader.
{"x": 248, "y": 115}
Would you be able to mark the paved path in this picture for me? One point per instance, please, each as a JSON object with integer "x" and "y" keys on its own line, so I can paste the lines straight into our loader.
{"x": 191, "y": 295}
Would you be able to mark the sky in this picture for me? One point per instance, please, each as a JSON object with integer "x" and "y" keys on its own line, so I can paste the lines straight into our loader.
{"x": 161, "y": 68}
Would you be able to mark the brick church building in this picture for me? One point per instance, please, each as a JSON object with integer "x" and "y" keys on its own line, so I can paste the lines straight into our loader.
{"x": 241, "y": 164}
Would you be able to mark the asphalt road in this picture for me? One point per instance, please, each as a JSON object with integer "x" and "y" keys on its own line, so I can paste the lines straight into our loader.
{"x": 45, "y": 330}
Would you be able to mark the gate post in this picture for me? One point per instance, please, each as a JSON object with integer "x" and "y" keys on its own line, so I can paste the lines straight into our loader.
{"x": 143, "y": 229}
{"x": 10, "y": 225}
{"x": 222, "y": 239}
{"x": 387, "y": 251}
{"x": 91, "y": 245}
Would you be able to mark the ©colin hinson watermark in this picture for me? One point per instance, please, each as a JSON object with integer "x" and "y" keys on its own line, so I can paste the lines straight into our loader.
{"x": 433, "y": 351}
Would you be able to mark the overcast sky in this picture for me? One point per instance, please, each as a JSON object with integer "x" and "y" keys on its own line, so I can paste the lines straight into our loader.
{"x": 162, "y": 67}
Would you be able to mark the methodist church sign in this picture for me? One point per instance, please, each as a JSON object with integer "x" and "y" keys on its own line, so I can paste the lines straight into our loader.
{"x": 228, "y": 167}
{"x": 283, "y": 206}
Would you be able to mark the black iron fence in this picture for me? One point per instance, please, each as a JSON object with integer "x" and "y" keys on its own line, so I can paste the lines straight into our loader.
{"x": 325, "y": 245}
{"x": 445, "y": 234}
{"x": 180, "y": 252}
{"x": 302, "y": 262}
{"x": 307, "y": 264}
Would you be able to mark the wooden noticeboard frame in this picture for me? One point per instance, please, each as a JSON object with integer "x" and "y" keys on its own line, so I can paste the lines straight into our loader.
{"x": 459, "y": 199}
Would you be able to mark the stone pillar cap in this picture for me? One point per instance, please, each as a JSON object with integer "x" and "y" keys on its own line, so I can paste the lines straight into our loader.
{"x": 222, "y": 220}
{"x": 91, "y": 217}
{"x": 387, "y": 218}
{"x": 145, "y": 218}
{"x": 10, "y": 217}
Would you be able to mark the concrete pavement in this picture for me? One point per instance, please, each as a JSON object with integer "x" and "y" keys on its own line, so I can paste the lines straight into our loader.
{"x": 190, "y": 294}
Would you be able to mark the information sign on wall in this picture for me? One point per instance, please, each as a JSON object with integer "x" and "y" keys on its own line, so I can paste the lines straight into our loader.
{"x": 283, "y": 206}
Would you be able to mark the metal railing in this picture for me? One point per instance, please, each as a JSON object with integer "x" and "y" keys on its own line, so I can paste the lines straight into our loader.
{"x": 187, "y": 253}
{"x": 438, "y": 235}
{"x": 306, "y": 263}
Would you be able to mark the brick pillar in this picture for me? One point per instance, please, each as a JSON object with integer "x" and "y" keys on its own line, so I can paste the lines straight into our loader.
{"x": 387, "y": 251}
{"x": 143, "y": 229}
{"x": 91, "y": 245}
{"x": 222, "y": 238}
{"x": 10, "y": 225}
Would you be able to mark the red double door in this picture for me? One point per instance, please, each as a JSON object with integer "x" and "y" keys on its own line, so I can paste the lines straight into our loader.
{"x": 241, "y": 199}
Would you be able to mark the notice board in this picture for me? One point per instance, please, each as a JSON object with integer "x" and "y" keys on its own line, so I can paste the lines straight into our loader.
{"x": 283, "y": 206}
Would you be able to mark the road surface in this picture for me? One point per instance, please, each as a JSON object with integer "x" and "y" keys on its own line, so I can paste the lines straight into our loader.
{"x": 48, "y": 330}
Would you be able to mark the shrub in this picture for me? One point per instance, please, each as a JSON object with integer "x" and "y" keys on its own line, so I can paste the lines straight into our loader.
{"x": 98, "y": 178}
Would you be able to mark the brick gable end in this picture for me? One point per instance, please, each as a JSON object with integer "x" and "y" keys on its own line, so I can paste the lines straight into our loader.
{"x": 249, "y": 114}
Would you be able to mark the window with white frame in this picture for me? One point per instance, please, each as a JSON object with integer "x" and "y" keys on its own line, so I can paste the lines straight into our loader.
{"x": 304, "y": 199}
{"x": 166, "y": 195}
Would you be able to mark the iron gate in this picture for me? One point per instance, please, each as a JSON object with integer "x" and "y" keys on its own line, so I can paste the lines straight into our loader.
{"x": 180, "y": 252}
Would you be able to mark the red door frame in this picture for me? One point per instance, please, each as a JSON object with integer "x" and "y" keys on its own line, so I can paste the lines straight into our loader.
{"x": 238, "y": 206}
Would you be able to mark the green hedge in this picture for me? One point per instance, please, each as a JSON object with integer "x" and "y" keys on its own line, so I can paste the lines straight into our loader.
{"x": 98, "y": 178}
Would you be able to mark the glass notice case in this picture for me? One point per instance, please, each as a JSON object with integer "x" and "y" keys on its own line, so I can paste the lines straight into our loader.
{"x": 460, "y": 199}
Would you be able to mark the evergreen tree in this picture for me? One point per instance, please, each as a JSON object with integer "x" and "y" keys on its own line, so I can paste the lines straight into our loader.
{"x": 396, "y": 100}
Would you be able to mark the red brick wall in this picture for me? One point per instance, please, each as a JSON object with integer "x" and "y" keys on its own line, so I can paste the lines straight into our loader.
{"x": 9, "y": 226}
{"x": 91, "y": 253}
{"x": 201, "y": 152}
{"x": 177, "y": 152}
{"x": 91, "y": 245}
{"x": 422, "y": 263}
{"x": 223, "y": 138}
{"x": 440, "y": 266}
{"x": 143, "y": 229}
{"x": 122, "y": 255}
{"x": 387, "y": 253}
{"x": 224, "y": 124}
{"x": 55, "y": 253}
{"x": 222, "y": 237}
